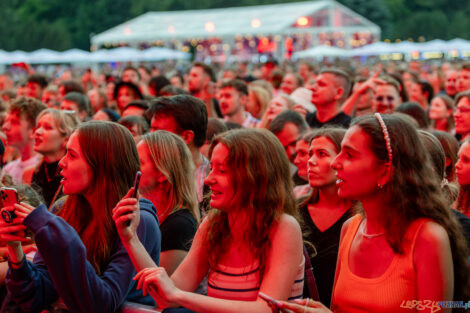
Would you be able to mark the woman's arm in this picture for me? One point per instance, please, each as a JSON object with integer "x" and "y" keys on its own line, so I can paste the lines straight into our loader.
{"x": 170, "y": 260}
{"x": 432, "y": 258}
{"x": 75, "y": 279}
{"x": 282, "y": 265}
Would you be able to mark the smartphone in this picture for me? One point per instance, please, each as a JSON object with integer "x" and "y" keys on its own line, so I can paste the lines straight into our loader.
{"x": 136, "y": 188}
{"x": 272, "y": 302}
{"x": 136, "y": 183}
{"x": 8, "y": 198}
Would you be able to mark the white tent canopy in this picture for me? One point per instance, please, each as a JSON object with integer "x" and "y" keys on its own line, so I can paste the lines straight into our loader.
{"x": 276, "y": 19}
{"x": 322, "y": 51}
{"x": 122, "y": 54}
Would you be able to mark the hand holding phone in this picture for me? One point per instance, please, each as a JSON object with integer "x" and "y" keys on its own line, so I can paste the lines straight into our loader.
{"x": 8, "y": 199}
{"x": 136, "y": 188}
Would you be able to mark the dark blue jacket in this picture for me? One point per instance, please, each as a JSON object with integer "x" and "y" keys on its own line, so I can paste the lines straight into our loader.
{"x": 61, "y": 269}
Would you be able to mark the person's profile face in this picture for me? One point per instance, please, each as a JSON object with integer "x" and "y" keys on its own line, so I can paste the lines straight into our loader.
{"x": 77, "y": 174}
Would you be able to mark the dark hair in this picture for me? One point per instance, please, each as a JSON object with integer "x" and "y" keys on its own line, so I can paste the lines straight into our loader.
{"x": 131, "y": 68}
{"x": 460, "y": 95}
{"x": 133, "y": 87}
{"x": 438, "y": 161}
{"x": 80, "y": 99}
{"x": 39, "y": 79}
{"x": 412, "y": 174}
{"x": 141, "y": 122}
{"x": 233, "y": 125}
{"x": 335, "y": 135}
{"x": 190, "y": 113}
{"x": 170, "y": 90}
{"x": 288, "y": 116}
{"x": 141, "y": 104}
{"x": 237, "y": 84}
{"x": 416, "y": 111}
{"x": 71, "y": 85}
{"x": 426, "y": 88}
{"x": 156, "y": 83}
{"x": 207, "y": 69}
{"x": 402, "y": 90}
{"x": 27, "y": 108}
{"x": 451, "y": 149}
{"x": 113, "y": 115}
{"x": 215, "y": 126}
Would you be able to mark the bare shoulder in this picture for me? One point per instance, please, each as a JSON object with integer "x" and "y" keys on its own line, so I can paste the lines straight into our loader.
{"x": 287, "y": 224}
{"x": 345, "y": 226}
{"x": 432, "y": 233}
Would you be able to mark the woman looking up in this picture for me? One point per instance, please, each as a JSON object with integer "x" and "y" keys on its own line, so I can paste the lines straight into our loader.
{"x": 80, "y": 260}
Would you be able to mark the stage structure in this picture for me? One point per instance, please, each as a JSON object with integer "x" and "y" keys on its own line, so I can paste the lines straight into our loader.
{"x": 245, "y": 33}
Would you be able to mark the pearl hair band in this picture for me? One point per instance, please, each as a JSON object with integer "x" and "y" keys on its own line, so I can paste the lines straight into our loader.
{"x": 386, "y": 137}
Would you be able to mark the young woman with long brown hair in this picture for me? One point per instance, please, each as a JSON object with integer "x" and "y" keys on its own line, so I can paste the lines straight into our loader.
{"x": 249, "y": 242}
{"x": 80, "y": 260}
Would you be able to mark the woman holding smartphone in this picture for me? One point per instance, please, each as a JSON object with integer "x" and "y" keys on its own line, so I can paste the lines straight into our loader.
{"x": 250, "y": 241}
{"x": 81, "y": 263}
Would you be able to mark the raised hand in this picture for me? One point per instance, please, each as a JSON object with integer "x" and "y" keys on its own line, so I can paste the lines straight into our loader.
{"x": 126, "y": 216}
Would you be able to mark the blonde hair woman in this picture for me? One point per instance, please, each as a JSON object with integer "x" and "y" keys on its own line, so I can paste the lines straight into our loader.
{"x": 53, "y": 130}
{"x": 168, "y": 182}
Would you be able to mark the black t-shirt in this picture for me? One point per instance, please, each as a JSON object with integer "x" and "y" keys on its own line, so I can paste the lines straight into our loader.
{"x": 341, "y": 119}
{"x": 326, "y": 245}
{"x": 178, "y": 230}
{"x": 46, "y": 181}
{"x": 464, "y": 221}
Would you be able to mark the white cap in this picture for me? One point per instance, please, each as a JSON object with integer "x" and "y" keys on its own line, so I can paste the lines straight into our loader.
{"x": 303, "y": 96}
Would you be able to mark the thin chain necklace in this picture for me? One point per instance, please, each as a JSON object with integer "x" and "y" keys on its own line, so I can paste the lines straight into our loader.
{"x": 363, "y": 233}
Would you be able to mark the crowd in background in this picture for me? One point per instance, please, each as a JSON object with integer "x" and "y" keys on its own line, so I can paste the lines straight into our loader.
{"x": 341, "y": 187}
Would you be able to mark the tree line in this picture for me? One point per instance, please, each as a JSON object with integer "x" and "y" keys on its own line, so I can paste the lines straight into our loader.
{"x": 59, "y": 25}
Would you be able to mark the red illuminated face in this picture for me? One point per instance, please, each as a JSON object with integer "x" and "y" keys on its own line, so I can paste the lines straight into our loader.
{"x": 357, "y": 169}
{"x": 124, "y": 96}
{"x": 438, "y": 109}
{"x": 197, "y": 79}
{"x": 324, "y": 90}
{"x": 288, "y": 138}
{"x": 230, "y": 101}
{"x": 47, "y": 138}
{"x": 77, "y": 174}
{"x": 150, "y": 173}
{"x": 49, "y": 99}
{"x": 462, "y": 167}
{"x": 462, "y": 117}
{"x": 322, "y": 152}
{"x": 289, "y": 84}
{"x": 301, "y": 158}
{"x": 450, "y": 82}
{"x": 463, "y": 80}
{"x": 34, "y": 90}
{"x": 130, "y": 76}
{"x": 222, "y": 191}
{"x": 386, "y": 99}
{"x": 18, "y": 131}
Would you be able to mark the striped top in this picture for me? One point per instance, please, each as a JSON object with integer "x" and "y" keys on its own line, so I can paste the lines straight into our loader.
{"x": 242, "y": 283}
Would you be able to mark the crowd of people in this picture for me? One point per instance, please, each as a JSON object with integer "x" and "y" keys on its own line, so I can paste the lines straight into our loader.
{"x": 271, "y": 188}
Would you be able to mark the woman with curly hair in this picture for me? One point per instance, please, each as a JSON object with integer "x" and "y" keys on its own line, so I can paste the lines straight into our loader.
{"x": 250, "y": 241}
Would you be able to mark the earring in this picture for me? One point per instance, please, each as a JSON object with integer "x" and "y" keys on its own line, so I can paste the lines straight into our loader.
{"x": 380, "y": 185}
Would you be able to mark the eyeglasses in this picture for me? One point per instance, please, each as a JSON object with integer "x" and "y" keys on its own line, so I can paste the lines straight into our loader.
{"x": 383, "y": 98}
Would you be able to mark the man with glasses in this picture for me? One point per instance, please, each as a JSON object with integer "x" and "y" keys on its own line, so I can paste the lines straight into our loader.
{"x": 386, "y": 95}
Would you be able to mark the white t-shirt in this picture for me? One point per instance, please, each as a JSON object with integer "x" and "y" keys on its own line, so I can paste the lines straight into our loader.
{"x": 16, "y": 168}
